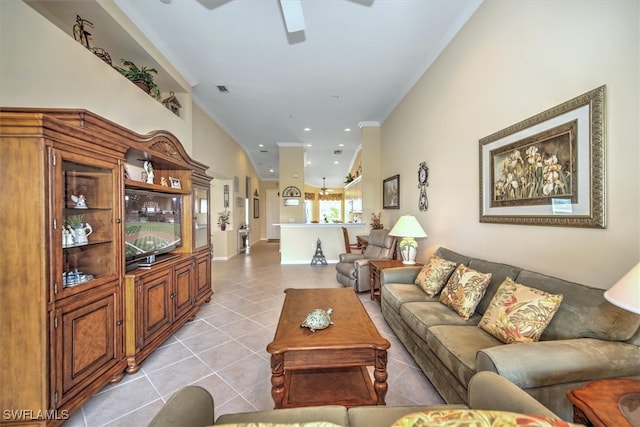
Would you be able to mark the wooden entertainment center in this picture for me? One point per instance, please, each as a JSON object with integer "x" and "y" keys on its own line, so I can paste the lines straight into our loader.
{"x": 73, "y": 317}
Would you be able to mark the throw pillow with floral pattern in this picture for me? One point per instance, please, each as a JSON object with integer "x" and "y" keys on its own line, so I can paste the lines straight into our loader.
{"x": 518, "y": 313}
{"x": 434, "y": 275}
{"x": 464, "y": 290}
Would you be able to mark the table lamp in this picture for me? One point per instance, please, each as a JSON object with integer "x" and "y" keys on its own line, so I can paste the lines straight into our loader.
{"x": 626, "y": 292}
{"x": 626, "y": 295}
{"x": 408, "y": 228}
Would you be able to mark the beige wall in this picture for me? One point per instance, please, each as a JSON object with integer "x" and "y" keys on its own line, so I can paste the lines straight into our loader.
{"x": 41, "y": 66}
{"x": 291, "y": 161}
{"x": 226, "y": 160}
{"x": 511, "y": 61}
{"x": 372, "y": 172}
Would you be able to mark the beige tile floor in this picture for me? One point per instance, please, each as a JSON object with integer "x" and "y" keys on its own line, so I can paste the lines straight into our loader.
{"x": 224, "y": 348}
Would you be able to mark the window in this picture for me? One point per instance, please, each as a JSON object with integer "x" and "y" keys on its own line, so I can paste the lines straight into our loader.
{"x": 308, "y": 211}
{"x": 330, "y": 210}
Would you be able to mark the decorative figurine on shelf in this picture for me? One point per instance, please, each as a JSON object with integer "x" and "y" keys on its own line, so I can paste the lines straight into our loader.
{"x": 148, "y": 168}
{"x": 80, "y": 201}
{"x": 163, "y": 182}
{"x": 172, "y": 104}
{"x": 67, "y": 238}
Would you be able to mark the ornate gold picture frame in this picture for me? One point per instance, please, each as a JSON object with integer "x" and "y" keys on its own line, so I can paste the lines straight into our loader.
{"x": 548, "y": 169}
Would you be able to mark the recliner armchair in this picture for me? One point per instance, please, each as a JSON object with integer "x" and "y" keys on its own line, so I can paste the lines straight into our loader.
{"x": 352, "y": 270}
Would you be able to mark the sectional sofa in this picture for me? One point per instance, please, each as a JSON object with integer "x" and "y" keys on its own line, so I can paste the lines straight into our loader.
{"x": 193, "y": 406}
{"x": 587, "y": 338}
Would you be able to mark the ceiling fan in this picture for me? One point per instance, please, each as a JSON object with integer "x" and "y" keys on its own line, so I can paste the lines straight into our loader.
{"x": 292, "y": 13}
{"x": 324, "y": 190}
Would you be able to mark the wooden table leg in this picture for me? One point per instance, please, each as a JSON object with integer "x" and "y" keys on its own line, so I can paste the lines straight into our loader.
{"x": 380, "y": 375}
{"x": 277, "y": 379}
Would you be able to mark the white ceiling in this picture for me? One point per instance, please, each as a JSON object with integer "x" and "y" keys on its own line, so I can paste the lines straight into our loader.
{"x": 354, "y": 62}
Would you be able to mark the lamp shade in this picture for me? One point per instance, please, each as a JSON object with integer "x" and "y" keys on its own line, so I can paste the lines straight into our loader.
{"x": 408, "y": 228}
{"x": 626, "y": 292}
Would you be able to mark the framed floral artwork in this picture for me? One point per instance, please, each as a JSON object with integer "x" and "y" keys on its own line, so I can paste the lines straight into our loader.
{"x": 548, "y": 169}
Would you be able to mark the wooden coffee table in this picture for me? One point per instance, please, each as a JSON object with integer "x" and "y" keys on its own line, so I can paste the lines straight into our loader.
{"x": 329, "y": 366}
{"x": 604, "y": 402}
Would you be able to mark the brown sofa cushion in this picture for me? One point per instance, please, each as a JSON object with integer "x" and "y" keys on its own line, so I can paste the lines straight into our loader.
{"x": 457, "y": 346}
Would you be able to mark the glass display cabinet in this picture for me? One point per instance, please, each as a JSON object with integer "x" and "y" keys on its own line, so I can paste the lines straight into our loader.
{"x": 88, "y": 221}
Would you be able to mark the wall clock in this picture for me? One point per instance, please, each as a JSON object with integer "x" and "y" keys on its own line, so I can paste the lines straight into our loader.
{"x": 423, "y": 183}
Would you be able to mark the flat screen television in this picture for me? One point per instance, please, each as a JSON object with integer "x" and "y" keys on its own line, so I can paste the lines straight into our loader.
{"x": 153, "y": 225}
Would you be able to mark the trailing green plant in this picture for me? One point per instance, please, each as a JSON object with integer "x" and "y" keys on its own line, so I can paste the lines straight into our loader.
{"x": 142, "y": 74}
{"x": 74, "y": 221}
{"x": 349, "y": 178}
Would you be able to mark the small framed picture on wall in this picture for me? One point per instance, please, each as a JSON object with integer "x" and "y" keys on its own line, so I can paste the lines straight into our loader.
{"x": 391, "y": 193}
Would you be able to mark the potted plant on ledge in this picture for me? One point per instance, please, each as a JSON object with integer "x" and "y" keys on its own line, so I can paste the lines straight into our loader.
{"x": 141, "y": 77}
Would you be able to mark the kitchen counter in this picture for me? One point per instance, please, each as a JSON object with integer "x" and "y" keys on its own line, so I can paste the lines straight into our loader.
{"x": 298, "y": 240}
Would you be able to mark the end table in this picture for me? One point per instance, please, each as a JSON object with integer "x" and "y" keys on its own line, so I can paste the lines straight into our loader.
{"x": 606, "y": 403}
{"x": 375, "y": 267}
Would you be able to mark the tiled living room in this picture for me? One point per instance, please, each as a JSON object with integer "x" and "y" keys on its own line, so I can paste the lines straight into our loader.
{"x": 224, "y": 348}
{"x": 72, "y": 314}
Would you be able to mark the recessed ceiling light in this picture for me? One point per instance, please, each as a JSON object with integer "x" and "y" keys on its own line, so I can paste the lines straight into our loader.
{"x": 308, "y": 162}
{"x": 260, "y": 145}
{"x": 271, "y": 171}
{"x": 340, "y": 145}
{"x": 309, "y": 145}
{"x": 336, "y": 162}
{"x": 347, "y": 129}
{"x": 307, "y": 129}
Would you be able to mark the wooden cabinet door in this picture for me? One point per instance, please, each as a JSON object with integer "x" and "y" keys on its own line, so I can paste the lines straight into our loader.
{"x": 203, "y": 279}
{"x": 201, "y": 216}
{"x": 155, "y": 310}
{"x": 184, "y": 292}
{"x": 88, "y": 332}
{"x": 85, "y": 247}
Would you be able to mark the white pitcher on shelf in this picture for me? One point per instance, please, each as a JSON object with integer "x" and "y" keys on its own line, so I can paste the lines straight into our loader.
{"x": 81, "y": 234}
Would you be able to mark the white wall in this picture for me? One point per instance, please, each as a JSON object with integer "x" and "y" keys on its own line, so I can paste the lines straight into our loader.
{"x": 41, "y": 66}
{"x": 511, "y": 61}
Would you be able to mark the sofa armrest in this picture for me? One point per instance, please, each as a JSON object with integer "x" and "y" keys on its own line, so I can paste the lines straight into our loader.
{"x": 490, "y": 391}
{"x": 546, "y": 363}
{"x": 399, "y": 275}
{"x": 335, "y": 414}
{"x": 191, "y": 406}
{"x": 349, "y": 257}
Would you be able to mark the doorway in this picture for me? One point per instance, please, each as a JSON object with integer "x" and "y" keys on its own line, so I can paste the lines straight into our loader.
{"x": 273, "y": 214}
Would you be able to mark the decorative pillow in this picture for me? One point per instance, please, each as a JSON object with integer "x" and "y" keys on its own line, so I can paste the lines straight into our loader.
{"x": 518, "y": 313}
{"x": 464, "y": 290}
{"x": 477, "y": 418}
{"x": 309, "y": 424}
{"x": 434, "y": 275}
